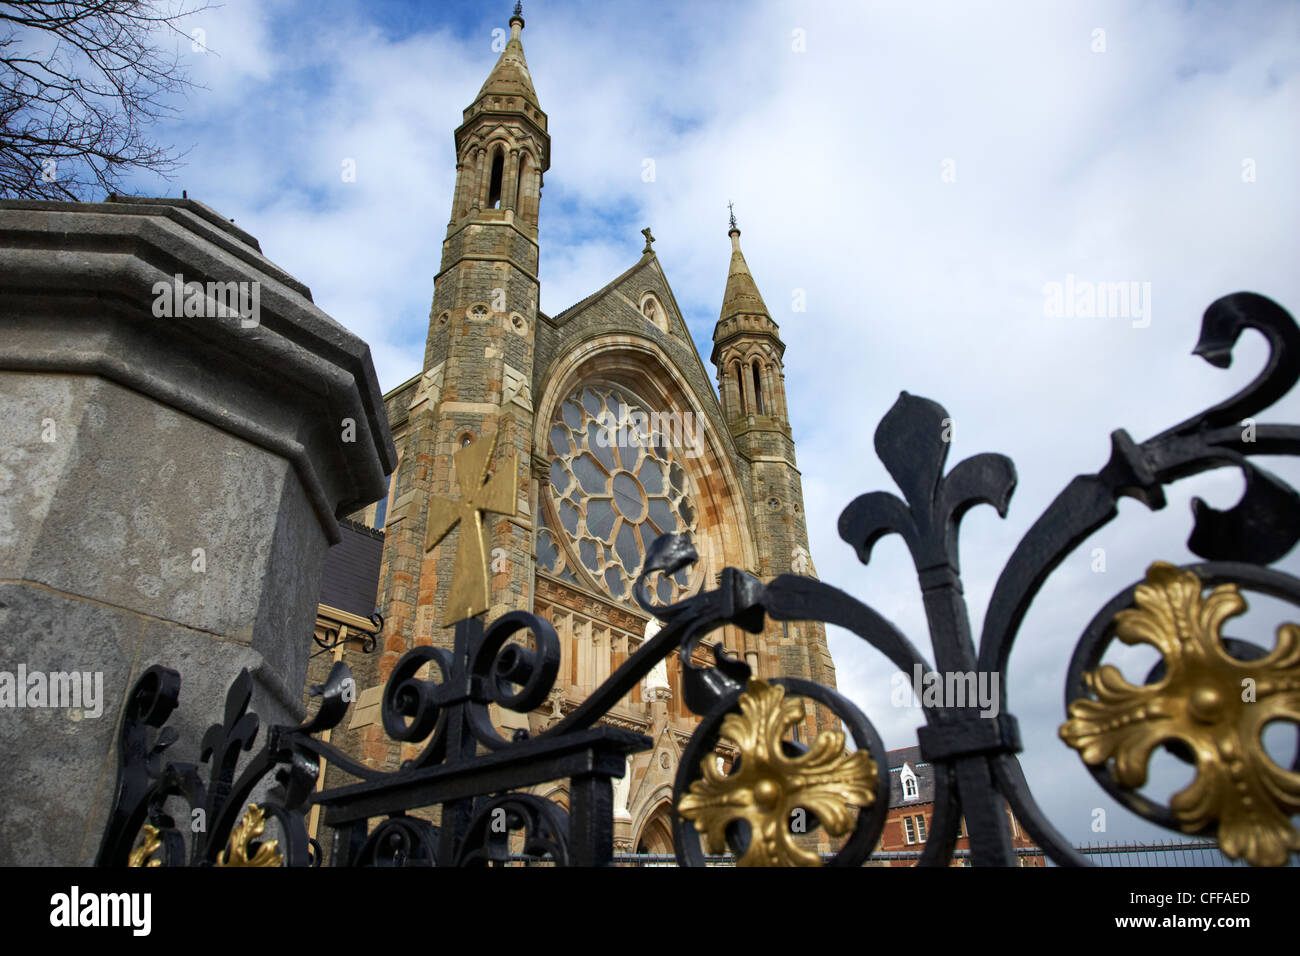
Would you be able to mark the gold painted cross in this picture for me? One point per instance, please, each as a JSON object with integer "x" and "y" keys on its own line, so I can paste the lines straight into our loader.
{"x": 469, "y": 581}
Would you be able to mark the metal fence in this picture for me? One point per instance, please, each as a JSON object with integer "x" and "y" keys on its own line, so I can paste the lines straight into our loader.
{"x": 1205, "y": 702}
{"x": 1174, "y": 853}
{"x": 1198, "y": 853}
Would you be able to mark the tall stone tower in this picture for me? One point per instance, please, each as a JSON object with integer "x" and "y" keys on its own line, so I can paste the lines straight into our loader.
{"x": 526, "y": 391}
{"x": 478, "y": 367}
{"x": 748, "y": 353}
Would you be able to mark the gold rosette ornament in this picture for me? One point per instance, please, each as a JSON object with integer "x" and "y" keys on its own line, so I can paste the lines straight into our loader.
{"x": 1213, "y": 703}
{"x": 249, "y": 828}
{"x": 768, "y": 786}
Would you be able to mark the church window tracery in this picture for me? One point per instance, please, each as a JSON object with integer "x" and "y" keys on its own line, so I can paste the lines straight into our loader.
{"x": 615, "y": 484}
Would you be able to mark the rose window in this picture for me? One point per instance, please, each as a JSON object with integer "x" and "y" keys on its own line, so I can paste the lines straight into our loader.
{"x": 616, "y": 483}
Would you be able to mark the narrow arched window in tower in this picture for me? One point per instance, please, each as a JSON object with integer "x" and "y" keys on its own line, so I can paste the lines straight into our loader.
{"x": 760, "y": 405}
{"x": 389, "y": 499}
{"x": 381, "y": 509}
{"x": 740, "y": 388}
{"x": 494, "y": 186}
{"x": 521, "y": 197}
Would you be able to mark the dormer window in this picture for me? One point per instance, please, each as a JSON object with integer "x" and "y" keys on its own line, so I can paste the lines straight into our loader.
{"x": 907, "y": 777}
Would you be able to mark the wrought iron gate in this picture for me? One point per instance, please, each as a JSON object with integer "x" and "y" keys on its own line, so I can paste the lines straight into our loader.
{"x": 1192, "y": 702}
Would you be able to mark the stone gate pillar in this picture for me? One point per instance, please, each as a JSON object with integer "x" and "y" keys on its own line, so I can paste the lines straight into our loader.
{"x": 179, "y": 428}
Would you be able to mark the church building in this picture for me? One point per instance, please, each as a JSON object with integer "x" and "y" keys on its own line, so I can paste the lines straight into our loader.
{"x": 610, "y": 418}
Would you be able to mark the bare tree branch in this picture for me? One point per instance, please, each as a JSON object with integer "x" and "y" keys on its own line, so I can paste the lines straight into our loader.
{"x": 81, "y": 81}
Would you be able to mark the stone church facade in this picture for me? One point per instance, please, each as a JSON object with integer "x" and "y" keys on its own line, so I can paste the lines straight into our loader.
{"x": 618, "y": 436}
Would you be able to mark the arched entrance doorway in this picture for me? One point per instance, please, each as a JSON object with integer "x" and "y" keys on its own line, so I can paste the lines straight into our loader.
{"x": 656, "y": 833}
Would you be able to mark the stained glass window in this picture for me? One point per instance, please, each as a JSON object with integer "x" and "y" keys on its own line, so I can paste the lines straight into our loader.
{"x": 618, "y": 480}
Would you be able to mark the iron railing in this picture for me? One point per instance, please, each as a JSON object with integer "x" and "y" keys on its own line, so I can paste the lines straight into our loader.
{"x": 476, "y": 782}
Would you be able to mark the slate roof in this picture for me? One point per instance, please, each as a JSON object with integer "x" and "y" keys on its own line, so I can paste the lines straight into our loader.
{"x": 577, "y": 307}
{"x": 350, "y": 579}
{"x": 924, "y": 777}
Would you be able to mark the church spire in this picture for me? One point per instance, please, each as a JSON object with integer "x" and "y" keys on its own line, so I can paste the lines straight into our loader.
{"x": 747, "y": 346}
{"x": 741, "y": 295}
{"x": 510, "y": 76}
{"x": 502, "y": 146}
{"x": 478, "y": 357}
{"x": 750, "y": 356}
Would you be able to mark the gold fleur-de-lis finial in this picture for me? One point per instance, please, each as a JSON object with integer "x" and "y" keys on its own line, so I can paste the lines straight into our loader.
{"x": 143, "y": 855}
{"x": 768, "y": 786}
{"x": 242, "y": 838}
{"x": 1202, "y": 701}
{"x": 469, "y": 581}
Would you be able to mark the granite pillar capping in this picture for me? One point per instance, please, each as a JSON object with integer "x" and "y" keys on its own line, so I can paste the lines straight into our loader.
{"x": 102, "y": 262}
{"x": 169, "y": 486}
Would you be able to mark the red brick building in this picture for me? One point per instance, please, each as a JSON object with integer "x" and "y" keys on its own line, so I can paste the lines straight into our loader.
{"x": 911, "y": 807}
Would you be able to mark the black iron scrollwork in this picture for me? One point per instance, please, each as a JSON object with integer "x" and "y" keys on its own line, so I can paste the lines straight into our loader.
{"x": 480, "y": 780}
{"x": 542, "y": 828}
{"x": 400, "y": 842}
{"x": 218, "y": 806}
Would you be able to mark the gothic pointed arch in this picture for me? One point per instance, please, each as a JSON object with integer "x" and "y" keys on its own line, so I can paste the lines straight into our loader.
{"x": 523, "y": 187}
{"x": 559, "y": 795}
{"x": 571, "y": 500}
{"x": 496, "y": 176}
{"x": 655, "y": 834}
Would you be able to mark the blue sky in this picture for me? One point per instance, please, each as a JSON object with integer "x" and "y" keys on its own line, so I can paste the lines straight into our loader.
{"x": 918, "y": 171}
